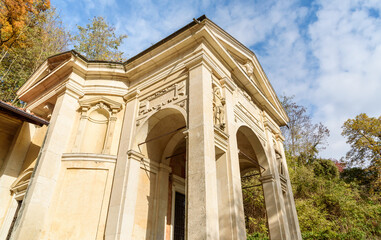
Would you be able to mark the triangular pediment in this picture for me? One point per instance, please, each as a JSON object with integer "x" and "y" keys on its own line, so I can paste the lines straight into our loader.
{"x": 248, "y": 63}
{"x": 47, "y": 68}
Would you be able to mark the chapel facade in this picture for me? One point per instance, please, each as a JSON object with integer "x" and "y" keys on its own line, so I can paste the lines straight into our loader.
{"x": 153, "y": 148}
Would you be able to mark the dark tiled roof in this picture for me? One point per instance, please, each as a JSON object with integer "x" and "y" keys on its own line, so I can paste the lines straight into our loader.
{"x": 21, "y": 114}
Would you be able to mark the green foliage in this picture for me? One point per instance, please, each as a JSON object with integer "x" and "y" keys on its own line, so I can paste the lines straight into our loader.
{"x": 254, "y": 206}
{"x": 98, "y": 41}
{"x": 330, "y": 208}
{"x": 332, "y": 205}
{"x": 325, "y": 168}
{"x": 362, "y": 177}
{"x": 257, "y": 236}
{"x": 364, "y": 135}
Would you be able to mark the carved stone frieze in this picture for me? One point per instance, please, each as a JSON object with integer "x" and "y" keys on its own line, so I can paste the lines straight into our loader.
{"x": 172, "y": 95}
{"x": 156, "y": 101}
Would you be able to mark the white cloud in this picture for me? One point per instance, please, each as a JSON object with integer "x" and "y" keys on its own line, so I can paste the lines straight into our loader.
{"x": 346, "y": 41}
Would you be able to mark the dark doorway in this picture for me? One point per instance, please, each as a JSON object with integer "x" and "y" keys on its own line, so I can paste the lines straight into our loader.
{"x": 179, "y": 223}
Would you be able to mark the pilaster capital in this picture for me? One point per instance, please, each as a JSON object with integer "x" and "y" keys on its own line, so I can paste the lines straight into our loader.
{"x": 201, "y": 60}
{"x": 134, "y": 94}
{"x": 132, "y": 154}
{"x": 165, "y": 167}
{"x": 228, "y": 84}
{"x": 279, "y": 137}
{"x": 267, "y": 178}
{"x": 71, "y": 89}
{"x": 186, "y": 133}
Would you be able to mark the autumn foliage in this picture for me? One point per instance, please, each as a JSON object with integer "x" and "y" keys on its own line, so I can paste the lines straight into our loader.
{"x": 16, "y": 16}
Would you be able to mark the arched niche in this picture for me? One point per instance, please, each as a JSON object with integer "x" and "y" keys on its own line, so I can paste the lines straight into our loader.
{"x": 96, "y": 127}
{"x": 160, "y": 139}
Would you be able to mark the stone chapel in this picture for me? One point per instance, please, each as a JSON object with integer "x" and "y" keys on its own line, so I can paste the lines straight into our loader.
{"x": 152, "y": 148}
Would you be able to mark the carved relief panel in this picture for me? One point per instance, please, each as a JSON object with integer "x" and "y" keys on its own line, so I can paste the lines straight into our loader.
{"x": 172, "y": 95}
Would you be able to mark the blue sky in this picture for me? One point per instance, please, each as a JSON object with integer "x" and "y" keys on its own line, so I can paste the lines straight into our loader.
{"x": 325, "y": 52}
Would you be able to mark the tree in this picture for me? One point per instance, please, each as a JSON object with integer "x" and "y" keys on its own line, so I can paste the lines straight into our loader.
{"x": 98, "y": 41}
{"x": 16, "y": 16}
{"x": 303, "y": 138}
{"x": 47, "y": 38}
{"x": 364, "y": 135}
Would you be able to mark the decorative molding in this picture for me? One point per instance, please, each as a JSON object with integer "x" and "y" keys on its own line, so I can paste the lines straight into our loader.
{"x": 279, "y": 137}
{"x": 132, "y": 154}
{"x": 171, "y": 95}
{"x": 283, "y": 182}
{"x": 100, "y": 102}
{"x": 21, "y": 184}
{"x": 243, "y": 115}
{"x": 267, "y": 178}
{"x": 48, "y": 109}
{"x": 132, "y": 95}
{"x": 88, "y": 157}
{"x": 165, "y": 167}
{"x": 247, "y": 113}
{"x": 270, "y": 124}
{"x": 228, "y": 84}
{"x": 182, "y": 104}
{"x": 221, "y": 139}
{"x": 200, "y": 60}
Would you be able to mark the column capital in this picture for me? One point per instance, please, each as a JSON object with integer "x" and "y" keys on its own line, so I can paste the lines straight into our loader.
{"x": 134, "y": 94}
{"x": 71, "y": 89}
{"x": 200, "y": 60}
{"x": 165, "y": 167}
{"x": 267, "y": 178}
{"x": 279, "y": 137}
{"x": 228, "y": 84}
{"x": 132, "y": 154}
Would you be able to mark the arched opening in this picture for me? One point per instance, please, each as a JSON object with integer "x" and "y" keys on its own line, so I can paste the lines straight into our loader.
{"x": 253, "y": 163}
{"x": 160, "y": 210}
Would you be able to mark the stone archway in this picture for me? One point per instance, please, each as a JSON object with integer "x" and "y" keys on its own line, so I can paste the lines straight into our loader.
{"x": 161, "y": 141}
{"x": 250, "y": 150}
{"x": 255, "y": 158}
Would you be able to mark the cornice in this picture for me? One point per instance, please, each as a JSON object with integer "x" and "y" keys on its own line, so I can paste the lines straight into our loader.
{"x": 134, "y": 94}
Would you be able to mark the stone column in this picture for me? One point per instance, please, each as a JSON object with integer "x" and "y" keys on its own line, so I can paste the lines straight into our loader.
{"x": 162, "y": 201}
{"x": 232, "y": 171}
{"x": 120, "y": 219}
{"x": 290, "y": 206}
{"x": 30, "y": 225}
{"x": 202, "y": 202}
{"x": 276, "y": 212}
